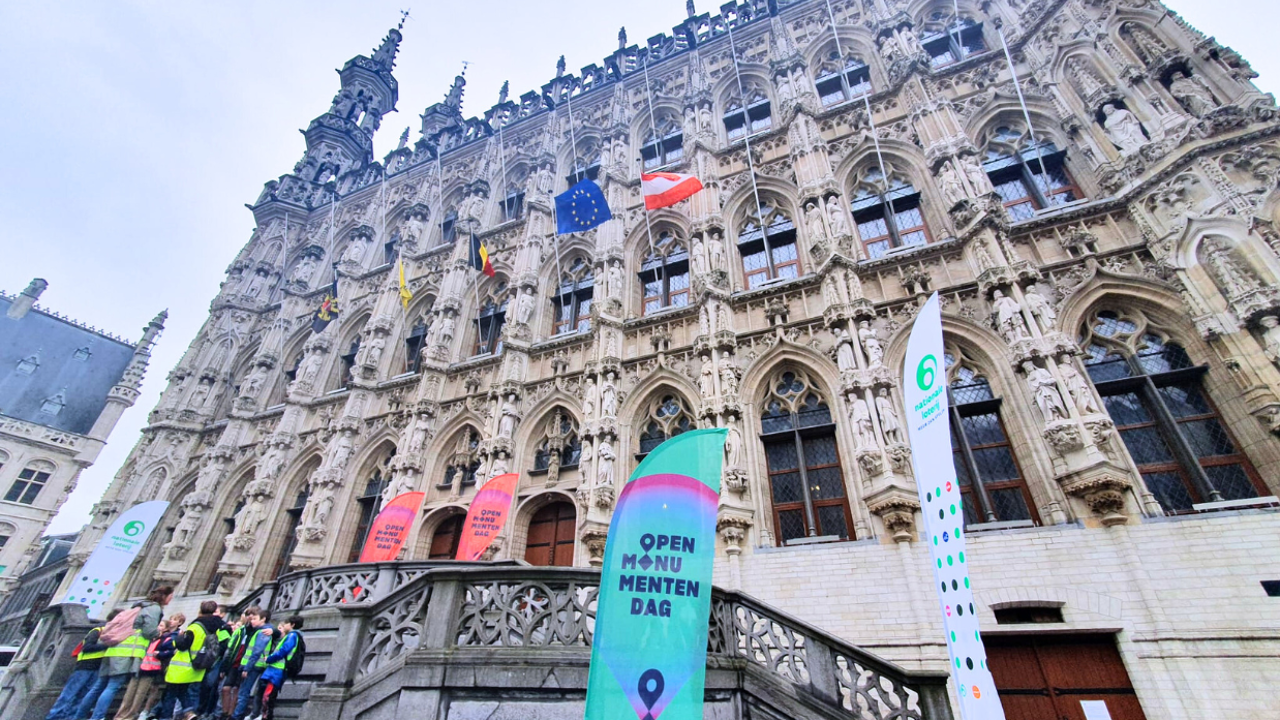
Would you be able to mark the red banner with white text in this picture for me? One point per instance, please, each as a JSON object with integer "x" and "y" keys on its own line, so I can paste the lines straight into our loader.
{"x": 487, "y": 515}
{"x": 390, "y": 528}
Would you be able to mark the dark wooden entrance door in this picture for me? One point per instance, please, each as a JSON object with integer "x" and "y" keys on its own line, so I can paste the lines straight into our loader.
{"x": 1045, "y": 677}
{"x": 551, "y": 533}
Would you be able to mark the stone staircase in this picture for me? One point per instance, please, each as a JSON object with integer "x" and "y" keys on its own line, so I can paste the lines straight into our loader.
{"x": 459, "y": 641}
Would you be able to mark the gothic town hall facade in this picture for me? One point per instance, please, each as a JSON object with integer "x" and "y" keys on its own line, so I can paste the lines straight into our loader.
{"x": 1090, "y": 185}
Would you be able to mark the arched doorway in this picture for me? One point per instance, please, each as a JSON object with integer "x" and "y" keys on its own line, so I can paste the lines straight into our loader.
{"x": 444, "y": 542}
{"x": 551, "y": 533}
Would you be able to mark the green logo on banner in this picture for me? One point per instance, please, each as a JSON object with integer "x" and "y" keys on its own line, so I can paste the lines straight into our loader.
{"x": 135, "y": 527}
{"x": 926, "y": 371}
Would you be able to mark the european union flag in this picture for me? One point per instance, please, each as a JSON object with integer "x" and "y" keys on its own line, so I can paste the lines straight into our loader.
{"x": 580, "y": 208}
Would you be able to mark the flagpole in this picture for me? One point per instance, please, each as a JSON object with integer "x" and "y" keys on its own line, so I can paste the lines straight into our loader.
{"x": 1026, "y": 115}
{"x": 653, "y": 125}
{"x": 746, "y": 139}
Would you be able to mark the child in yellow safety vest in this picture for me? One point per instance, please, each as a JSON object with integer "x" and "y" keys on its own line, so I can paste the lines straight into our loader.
{"x": 82, "y": 677}
{"x": 282, "y": 650}
{"x": 182, "y": 679}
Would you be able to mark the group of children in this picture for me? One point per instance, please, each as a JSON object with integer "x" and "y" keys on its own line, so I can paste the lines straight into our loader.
{"x": 207, "y": 669}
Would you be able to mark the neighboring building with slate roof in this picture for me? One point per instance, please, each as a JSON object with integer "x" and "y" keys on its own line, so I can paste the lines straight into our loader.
{"x": 63, "y": 387}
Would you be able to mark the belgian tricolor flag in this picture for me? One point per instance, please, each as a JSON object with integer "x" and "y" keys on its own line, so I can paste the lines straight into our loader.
{"x": 480, "y": 256}
{"x": 328, "y": 310}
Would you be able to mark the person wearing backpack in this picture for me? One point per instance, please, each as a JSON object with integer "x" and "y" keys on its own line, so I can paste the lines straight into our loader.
{"x": 197, "y": 650}
{"x": 258, "y": 635}
{"x": 88, "y": 660}
{"x": 143, "y": 692}
{"x": 124, "y": 657}
{"x": 229, "y": 687}
{"x": 284, "y": 661}
{"x": 209, "y": 686}
{"x": 164, "y": 652}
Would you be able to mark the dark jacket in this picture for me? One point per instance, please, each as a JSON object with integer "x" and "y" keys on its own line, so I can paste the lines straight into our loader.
{"x": 211, "y": 624}
{"x": 166, "y": 650}
{"x": 91, "y": 645}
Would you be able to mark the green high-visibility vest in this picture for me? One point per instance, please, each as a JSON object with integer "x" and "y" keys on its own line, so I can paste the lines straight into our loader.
{"x": 134, "y": 646}
{"x": 180, "y": 670}
{"x": 279, "y": 664}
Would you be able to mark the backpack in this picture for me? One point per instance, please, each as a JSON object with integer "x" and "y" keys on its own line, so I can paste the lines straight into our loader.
{"x": 209, "y": 654}
{"x": 119, "y": 628}
{"x": 293, "y": 664}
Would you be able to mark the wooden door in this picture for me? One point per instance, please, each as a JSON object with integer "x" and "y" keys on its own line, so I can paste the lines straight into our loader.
{"x": 551, "y": 534}
{"x": 1045, "y": 677}
{"x": 444, "y": 543}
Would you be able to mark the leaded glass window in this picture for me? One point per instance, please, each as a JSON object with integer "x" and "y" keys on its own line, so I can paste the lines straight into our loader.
{"x": 767, "y": 244}
{"x": 1155, "y": 396}
{"x": 887, "y": 213}
{"x": 948, "y": 41}
{"x": 840, "y": 81}
{"x": 806, "y": 483}
{"x": 664, "y": 274}
{"x": 572, "y": 301}
{"x": 665, "y": 417}
{"x": 1028, "y": 175}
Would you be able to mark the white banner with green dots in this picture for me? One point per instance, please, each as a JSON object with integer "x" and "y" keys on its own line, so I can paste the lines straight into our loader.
{"x": 925, "y": 391}
{"x": 97, "y": 580}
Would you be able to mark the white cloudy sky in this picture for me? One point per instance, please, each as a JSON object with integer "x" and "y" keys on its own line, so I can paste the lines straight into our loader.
{"x": 134, "y": 131}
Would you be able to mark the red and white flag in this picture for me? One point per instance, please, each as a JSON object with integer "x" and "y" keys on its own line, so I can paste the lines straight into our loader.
{"x": 664, "y": 189}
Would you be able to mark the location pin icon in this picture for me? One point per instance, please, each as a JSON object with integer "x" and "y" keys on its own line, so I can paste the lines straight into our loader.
{"x": 647, "y": 696}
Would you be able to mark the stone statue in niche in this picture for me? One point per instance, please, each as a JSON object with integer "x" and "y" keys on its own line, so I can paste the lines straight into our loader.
{"x": 983, "y": 255}
{"x": 733, "y": 447}
{"x": 870, "y": 344}
{"x": 1271, "y": 337}
{"x": 889, "y": 424}
{"x": 979, "y": 183}
{"x": 185, "y": 532}
{"x": 615, "y": 281}
{"x": 698, "y": 256}
{"x": 375, "y": 347}
{"x": 585, "y": 460}
{"x": 716, "y": 247}
{"x": 342, "y": 452}
{"x": 835, "y": 214}
{"x": 723, "y": 323}
{"x": 728, "y": 378}
{"x": 830, "y": 293}
{"x": 447, "y": 324}
{"x": 320, "y": 506}
{"x": 863, "y": 428}
{"x": 1045, "y": 390}
{"x": 253, "y": 382}
{"x": 609, "y": 397}
{"x": 418, "y": 436}
{"x": 1124, "y": 129}
{"x": 814, "y": 220}
{"x": 604, "y": 469}
{"x": 302, "y": 272}
{"x": 1040, "y": 308}
{"x": 524, "y": 308}
{"x": 507, "y": 425}
{"x": 400, "y": 484}
{"x": 1192, "y": 93}
{"x": 1009, "y": 318}
{"x": 950, "y": 184}
{"x": 355, "y": 251}
{"x": 844, "y": 352}
{"x": 501, "y": 465}
{"x": 704, "y": 320}
{"x": 590, "y": 398}
{"x": 247, "y": 521}
{"x": 309, "y": 369}
{"x": 412, "y": 230}
{"x": 1077, "y": 387}
{"x": 706, "y": 381}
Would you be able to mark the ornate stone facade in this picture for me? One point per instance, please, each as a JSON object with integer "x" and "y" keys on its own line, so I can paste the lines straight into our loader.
{"x": 1107, "y": 276}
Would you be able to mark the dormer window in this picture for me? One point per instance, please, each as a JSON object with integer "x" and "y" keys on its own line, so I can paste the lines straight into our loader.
{"x": 53, "y": 405}
{"x": 28, "y": 365}
{"x": 836, "y": 85}
{"x": 81, "y": 354}
{"x": 757, "y": 116}
{"x": 957, "y": 42}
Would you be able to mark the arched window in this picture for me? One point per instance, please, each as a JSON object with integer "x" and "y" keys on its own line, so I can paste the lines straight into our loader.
{"x": 768, "y": 246}
{"x": 513, "y": 204}
{"x": 991, "y": 482}
{"x": 842, "y": 80}
{"x": 572, "y": 301}
{"x": 414, "y": 344}
{"x": 665, "y": 417}
{"x": 449, "y": 227}
{"x": 348, "y": 360}
{"x": 561, "y": 447}
{"x": 1028, "y": 176}
{"x": 463, "y": 465}
{"x": 586, "y": 165}
{"x": 445, "y": 540}
{"x": 370, "y": 502}
{"x": 291, "y": 373}
{"x": 805, "y": 480}
{"x": 753, "y": 116}
{"x": 887, "y": 213}
{"x": 6, "y": 531}
{"x": 209, "y": 573}
{"x": 490, "y": 319}
{"x": 1155, "y": 397}
{"x": 291, "y": 532}
{"x": 551, "y": 534}
{"x": 948, "y": 41}
{"x": 29, "y": 483}
{"x": 665, "y": 146}
{"x": 664, "y": 274}
{"x": 391, "y": 249}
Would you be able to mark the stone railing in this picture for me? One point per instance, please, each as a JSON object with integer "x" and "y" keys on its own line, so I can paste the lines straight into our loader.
{"x": 465, "y": 613}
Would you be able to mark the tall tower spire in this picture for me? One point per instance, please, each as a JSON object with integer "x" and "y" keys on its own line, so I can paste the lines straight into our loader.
{"x": 340, "y": 141}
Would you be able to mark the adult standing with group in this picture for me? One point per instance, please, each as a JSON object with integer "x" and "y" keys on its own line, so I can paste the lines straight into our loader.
{"x": 121, "y": 661}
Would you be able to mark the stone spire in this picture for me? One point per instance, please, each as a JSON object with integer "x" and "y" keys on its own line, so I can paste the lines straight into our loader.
{"x": 125, "y": 393}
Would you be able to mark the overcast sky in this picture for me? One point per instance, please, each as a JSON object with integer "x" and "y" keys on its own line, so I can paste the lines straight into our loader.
{"x": 134, "y": 132}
